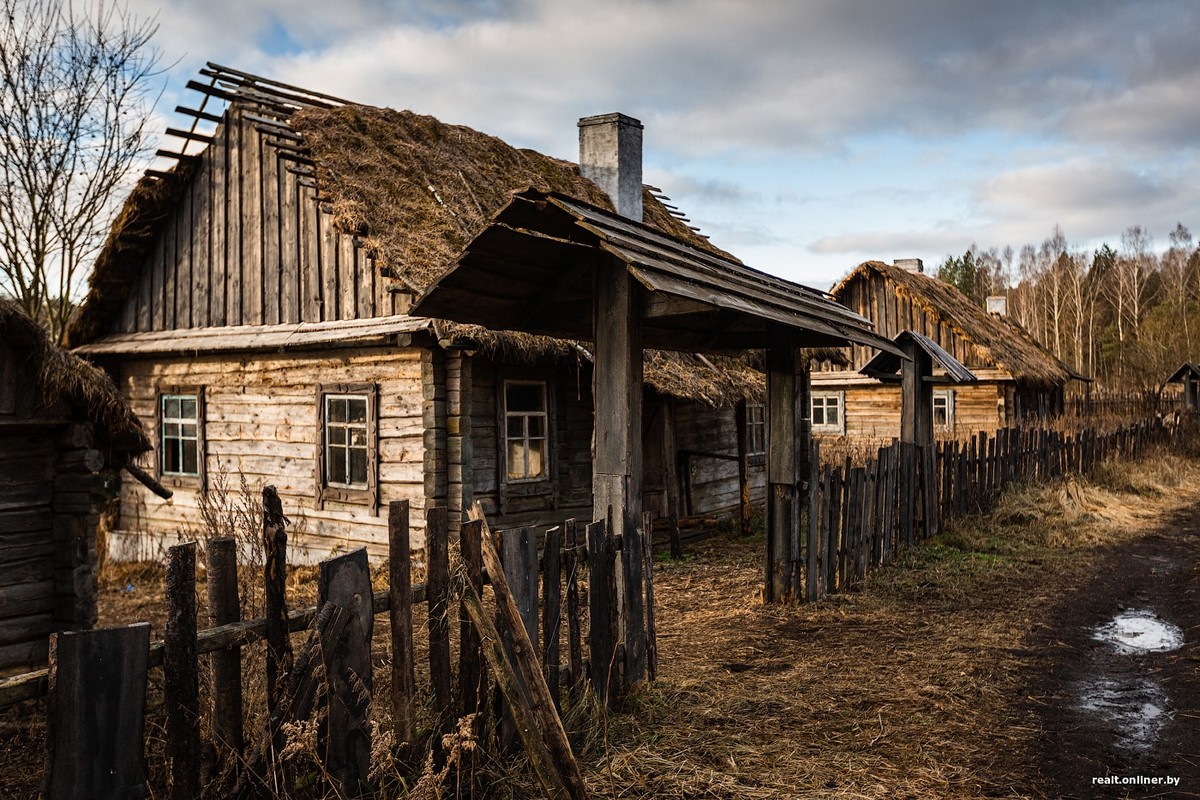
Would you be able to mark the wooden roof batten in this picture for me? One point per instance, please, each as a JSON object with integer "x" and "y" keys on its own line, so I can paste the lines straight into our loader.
{"x": 695, "y": 300}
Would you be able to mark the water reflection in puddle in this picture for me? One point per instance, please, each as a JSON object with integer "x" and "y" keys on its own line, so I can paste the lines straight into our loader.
{"x": 1136, "y": 631}
{"x": 1136, "y": 708}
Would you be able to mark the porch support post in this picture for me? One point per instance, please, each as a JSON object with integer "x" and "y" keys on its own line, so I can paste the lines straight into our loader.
{"x": 617, "y": 446}
{"x": 786, "y": 454}
{"x": 916, "y": 395}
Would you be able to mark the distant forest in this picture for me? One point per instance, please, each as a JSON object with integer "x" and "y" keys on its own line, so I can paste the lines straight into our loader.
{"x": 1126, "y": 316}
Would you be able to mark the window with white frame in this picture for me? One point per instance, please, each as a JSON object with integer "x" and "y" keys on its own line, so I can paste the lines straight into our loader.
{"x": 828, "y": 412}
{"x": 756, "y": 429}
{"x": 943, "y": 409}
{"x": 526, "y": 431}
{"x": 346, "y": 447}
{"x": 180, "y": 445}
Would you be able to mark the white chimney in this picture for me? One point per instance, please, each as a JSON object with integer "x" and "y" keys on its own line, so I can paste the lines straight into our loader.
{"x": 910, "y": 264}
{"x": 998, "y": 304}
{"x": 610, "y": 154}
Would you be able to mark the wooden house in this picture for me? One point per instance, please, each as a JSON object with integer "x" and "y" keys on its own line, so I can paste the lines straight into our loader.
{"x": 64, "y": 431}
{"x": 252, "y": 303}
{"x": 1016, "y": 378}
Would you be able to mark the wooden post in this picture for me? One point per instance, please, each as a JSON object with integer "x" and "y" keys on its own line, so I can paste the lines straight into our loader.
{"x": 95, "y": 717}
{"x": 785, "y": 437}
{"x": 437, "y": 588}
{"x": 344, "y": 735}
{"x": 916, "y": 394}
{"x": 552, "y": 611}
{"x": 670, "y": 457}
{"x": 279, "y": 646}
{"x": 518, "y": 553}
{"x": 743, "y": 452}
{"x": 470, "y": 672}
{"x": 223, "y": 608}
{"x": 181, "y": 685}
{"x": 617, "y": 389}
{"x": 400, "y": 619}
{"x": 812, "y": 554}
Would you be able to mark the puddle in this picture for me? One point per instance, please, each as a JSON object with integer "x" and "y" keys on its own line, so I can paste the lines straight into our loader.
{"x": 1137, "y": 630}
{"x": 1136, "y": 709}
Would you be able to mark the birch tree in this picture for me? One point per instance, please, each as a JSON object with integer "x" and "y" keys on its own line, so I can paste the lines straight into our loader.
{"x": 75, "y": 100}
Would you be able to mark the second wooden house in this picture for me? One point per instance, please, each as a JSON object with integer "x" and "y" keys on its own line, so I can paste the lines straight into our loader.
{"x": 1017, "y": 379}
{"x": 252, "y": 303}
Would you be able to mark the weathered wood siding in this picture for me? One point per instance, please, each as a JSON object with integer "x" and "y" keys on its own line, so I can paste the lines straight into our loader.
{"x": 710, "y": 485}
{"x": 47, "y": 517}
{"x": 261, "y": 420}
{"x": 249, "y": 244}
{"x": 873, "y": 410}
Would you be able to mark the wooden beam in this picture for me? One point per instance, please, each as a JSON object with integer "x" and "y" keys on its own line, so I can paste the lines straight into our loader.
{"x": 191, "y": 112}
{"x": 785, "y": 370}
{"x": 190, "y": 135}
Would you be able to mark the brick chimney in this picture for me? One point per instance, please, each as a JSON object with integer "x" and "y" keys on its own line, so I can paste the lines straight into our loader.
{"x": 610, "y": 154}
{"x": 998, "y": 304}
{"x": 910, "y": 264}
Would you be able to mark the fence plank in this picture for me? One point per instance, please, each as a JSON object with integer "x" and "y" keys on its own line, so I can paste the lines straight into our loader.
{"x": 470, "y": 670}
{"x": 552, "y": 611}
{"x": 344, "y": 736}
{"x": 279, "y": 646}
{"x": 602, "y": 592}
{"x": 95, "y": 719}
{"x": 400, "y": 620}
{"x": 181, "y": 685}
{"x": 437, "y": 588}
{"x": 224, "y": 608}
{"x": 651, "y": 626}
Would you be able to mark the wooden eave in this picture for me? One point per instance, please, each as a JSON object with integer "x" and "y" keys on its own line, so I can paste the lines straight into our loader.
{"x": 290, "y": 336}
{"x": 886, "y": 365}
{"x": 532, "y": 270}
{"x": 1186, "y": 372}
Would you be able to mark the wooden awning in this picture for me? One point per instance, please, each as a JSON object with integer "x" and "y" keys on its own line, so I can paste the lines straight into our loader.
{"x": 532, "y": 270}
{"x": 886, "y": 366}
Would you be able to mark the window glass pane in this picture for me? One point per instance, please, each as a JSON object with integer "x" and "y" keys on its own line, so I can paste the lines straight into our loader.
{"x": 187, "y": 431}
{"x": 335, "y": 409}
{"x": 337, "y": 465}
{"x": 171, "y": 456}
{"x": 190, "y": 457}
{"x": 523, "y": 397}
{"x": 515, "y": 426}
{"x": 337, "y": 434}
{"x": 537, "y": 426}
{"x": 357, "y": 410}
{"x": 831, "y": 414}
{"x": 171, "y": 407}
{"x": 516, "y": 459}
{"x": 187, "y": 407}
{"x": 818, "y": 413}
{"x": 358, "y": 467}
{"x": 358, "y": 438}
{"x": 537, "y": 458}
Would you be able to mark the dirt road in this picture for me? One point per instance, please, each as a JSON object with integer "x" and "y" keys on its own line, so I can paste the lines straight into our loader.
{"x": 1118, "y": 670}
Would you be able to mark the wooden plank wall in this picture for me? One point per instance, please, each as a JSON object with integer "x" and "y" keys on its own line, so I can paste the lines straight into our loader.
{"x": 249, "y": 245}
{"x": 262, "y": 421}
{"x": 873, "y": 411}
{"x": 711, "y": 483}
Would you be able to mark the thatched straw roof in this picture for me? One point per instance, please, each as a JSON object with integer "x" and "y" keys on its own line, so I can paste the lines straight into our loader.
{"x": 997, "y": 340}
{"x": 417, "y": 190}
{"x": 66, "y": 379}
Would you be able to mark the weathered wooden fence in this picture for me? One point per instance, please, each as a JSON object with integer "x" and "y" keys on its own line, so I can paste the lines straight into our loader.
{"x": 515, "y": 651}
{"x": 860, "y": 517}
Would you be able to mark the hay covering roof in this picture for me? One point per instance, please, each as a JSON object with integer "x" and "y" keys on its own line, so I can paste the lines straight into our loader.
{"x": 67, "y": 379}
{"x": 998, "y": 340}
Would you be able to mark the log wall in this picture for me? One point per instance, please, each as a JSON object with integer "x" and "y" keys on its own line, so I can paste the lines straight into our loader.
{"x": 249, "y": 244}
{"x": 873, "y": 410}
{"x": 261, "y": 420}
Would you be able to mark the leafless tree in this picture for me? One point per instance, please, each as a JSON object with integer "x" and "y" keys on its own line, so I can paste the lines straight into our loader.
{"x": 75, "y": 99}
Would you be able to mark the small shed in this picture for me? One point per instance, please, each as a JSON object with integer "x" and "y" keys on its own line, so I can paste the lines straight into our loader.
{"x": 64, "y": 432}
{"x": 1189, "y": 376}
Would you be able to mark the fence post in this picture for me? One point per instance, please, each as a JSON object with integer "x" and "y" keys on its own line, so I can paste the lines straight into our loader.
{"x": 181, "y": 686}
{"x": 279, "y": 646}
{"x": 344, "y": 736}
{"x": 470, "y": 670}
{"x": 437, "y": 588}
{"x": 602, "y": 593}
{"x": 96, "y": 714}
{"x": 574, "y": 635}
{"x": 814, "y": 526}
{"x": 224, "y": 608}
{"x": 651, "y": 625}
{"x": 552, "y": 610}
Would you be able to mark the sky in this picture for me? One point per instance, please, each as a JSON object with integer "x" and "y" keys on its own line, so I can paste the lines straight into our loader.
{"x": 803, "y": 136}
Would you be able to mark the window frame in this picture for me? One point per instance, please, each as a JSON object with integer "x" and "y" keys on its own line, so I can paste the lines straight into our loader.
{"x": 535, "y": 493}
{"x": 755, "y": 420}
{"x": 198, "y": 479}
{"x": 948, "y": 394}
{"x": 825, "y": 427}
{"x": 341, "y": 493}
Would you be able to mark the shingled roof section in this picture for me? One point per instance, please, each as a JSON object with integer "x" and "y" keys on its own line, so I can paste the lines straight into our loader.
{"x": 997, "y": 340}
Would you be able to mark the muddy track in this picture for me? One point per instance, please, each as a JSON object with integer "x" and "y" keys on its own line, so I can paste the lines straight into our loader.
{"x": 1131, "y": 708}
